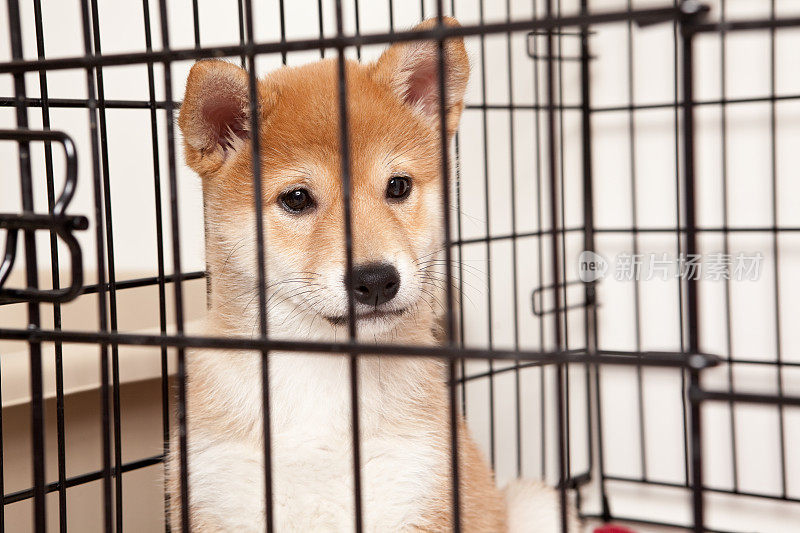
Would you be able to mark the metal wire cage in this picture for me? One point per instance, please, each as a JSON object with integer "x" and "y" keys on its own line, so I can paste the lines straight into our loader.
{"x": 536, "y": 380}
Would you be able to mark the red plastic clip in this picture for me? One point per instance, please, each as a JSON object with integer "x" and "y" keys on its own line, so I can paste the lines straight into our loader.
{"x": 611, "y": 528}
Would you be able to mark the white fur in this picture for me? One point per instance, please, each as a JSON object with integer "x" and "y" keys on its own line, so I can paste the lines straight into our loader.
{"x": 312, "y": 460}
{"x": 534, "y": 507}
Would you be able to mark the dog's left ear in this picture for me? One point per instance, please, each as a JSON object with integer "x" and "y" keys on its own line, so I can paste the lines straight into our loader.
{"x": 411, "y": 69}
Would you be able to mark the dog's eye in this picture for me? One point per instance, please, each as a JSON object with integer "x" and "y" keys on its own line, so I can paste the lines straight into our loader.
{"x": 399, "y": 188}
{"x": 296, "y": 201}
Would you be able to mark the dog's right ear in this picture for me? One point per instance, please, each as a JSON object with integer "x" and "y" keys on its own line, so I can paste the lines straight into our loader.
{"x": 411, "y": 70}
{"x": 215, "y": 114}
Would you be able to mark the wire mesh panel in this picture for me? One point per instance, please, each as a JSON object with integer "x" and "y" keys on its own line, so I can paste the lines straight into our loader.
{"x": 614, "y": 285}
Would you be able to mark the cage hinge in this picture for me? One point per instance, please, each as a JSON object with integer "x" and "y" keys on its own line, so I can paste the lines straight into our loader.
{"x": 535, "y": 54}
{"x": 537, "y": 298}
{"x": 573, "y": 482}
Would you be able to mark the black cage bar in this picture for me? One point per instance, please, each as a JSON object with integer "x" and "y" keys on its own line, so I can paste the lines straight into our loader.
{"x": 552, "y": 36}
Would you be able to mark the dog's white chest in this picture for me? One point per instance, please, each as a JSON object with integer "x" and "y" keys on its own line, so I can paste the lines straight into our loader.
{"x": 312, "y": 454}
{"x": 314, "y": 491}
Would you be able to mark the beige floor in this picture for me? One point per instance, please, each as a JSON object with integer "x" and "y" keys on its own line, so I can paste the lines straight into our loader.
{"x": 141, "y": 437}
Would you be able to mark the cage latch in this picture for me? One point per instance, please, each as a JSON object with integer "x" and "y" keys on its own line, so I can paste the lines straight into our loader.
{"x": 57, "y": 222}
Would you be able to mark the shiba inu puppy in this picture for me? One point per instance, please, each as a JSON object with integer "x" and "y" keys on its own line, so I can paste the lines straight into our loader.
{"x": 393, "y": 109}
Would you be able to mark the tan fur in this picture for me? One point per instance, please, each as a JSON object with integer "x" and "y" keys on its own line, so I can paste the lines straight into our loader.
{"x": 299, "y": 139}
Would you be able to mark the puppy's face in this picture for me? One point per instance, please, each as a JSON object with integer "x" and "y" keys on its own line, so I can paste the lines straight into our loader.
{"x": 396, "y": 188}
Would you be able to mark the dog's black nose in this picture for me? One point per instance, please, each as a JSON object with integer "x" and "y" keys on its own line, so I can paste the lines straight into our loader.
{"x": 375, "y": 283}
